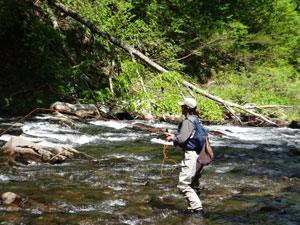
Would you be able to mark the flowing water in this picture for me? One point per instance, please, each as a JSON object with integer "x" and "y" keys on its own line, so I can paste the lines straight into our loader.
{"x": 121, "y": 183}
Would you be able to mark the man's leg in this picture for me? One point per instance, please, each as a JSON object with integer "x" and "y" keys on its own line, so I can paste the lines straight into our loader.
{"x": 188, "y": 171}
{"x": 195, "y": 180}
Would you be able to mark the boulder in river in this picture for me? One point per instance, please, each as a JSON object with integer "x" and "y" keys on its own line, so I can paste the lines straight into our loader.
{"x": 78, "y": 108}
{"x": 272, "y": 208}
{"x": 295, "y": 124}
{"x": 174, "y": 119}
{"x": 10, "y": 199}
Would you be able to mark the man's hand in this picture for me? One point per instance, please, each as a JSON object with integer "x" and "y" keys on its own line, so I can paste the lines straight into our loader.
{"x": 170, "y": 137}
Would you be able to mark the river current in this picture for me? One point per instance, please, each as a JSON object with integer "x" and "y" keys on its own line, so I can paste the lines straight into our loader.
{"x": 254, "y": 178}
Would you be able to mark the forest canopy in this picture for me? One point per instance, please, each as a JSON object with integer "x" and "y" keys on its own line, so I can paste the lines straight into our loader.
{"x": 245, "y": 52}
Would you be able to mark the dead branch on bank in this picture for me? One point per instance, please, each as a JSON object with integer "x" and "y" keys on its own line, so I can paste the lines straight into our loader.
{"x": 227, "y": 104}
{"x": 253, "y": 106}
{"x": 132, "y": 51}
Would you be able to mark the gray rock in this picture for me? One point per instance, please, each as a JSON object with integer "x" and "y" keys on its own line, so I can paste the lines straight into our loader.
{"x": 76, "y": 108}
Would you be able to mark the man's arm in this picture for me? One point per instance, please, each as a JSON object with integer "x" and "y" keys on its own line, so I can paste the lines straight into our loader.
{"x": 185, "y": 132}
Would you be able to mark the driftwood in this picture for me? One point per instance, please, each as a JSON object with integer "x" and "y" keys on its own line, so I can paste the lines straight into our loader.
{"x": 23, "y": 151}
{"x": 227, "y": 105}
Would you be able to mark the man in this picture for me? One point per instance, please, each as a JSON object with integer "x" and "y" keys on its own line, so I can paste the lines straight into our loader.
{"x": 190, "y": 168}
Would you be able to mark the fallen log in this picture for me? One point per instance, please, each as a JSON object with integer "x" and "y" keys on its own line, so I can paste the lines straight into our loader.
{"x": 105, "y": 35}
{"x": 19, "y": 150}
{"x": 227, "y": 105}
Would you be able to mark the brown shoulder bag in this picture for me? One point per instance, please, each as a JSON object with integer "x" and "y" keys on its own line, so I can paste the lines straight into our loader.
{"x": 206, "y": 155}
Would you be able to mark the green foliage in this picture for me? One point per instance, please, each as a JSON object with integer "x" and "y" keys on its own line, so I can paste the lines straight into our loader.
{"x": 79, "y": 68}
{"x": 209, "y": 110}
{"x": 249, "y": 47}
{"x": 104, "y": 96}
{"x": 128, "y": 80}
{"x": 267, "y": 86}
{"x": 166, "y": 95}
{"x": 163, "y": 97}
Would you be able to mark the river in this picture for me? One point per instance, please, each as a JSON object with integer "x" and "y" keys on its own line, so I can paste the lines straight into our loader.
{"x": 121, "y": 183}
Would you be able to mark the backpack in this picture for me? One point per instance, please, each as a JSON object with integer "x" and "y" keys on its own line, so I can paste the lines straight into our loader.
{"x": 197, "y": 139}
{"x": 199, "y": 142}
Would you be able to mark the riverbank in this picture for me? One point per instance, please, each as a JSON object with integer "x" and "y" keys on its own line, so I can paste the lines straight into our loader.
{"x": 119, "y": 113}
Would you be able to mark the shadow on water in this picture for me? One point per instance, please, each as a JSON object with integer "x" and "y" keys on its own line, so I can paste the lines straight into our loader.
{"x": 248, "y": 183}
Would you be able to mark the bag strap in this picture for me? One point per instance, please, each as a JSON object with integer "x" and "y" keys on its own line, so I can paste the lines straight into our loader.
{"x": 208, "y": 147}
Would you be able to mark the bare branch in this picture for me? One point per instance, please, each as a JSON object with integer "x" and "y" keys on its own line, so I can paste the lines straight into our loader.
{"x": 200, "y": 48}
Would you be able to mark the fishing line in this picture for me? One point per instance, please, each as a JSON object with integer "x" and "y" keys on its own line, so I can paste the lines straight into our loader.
{"x": 163, "y": 162}
{"x": 107, "y": 119}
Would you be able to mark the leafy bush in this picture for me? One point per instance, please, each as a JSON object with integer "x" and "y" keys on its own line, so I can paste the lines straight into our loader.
{"x": 266, "y": 86}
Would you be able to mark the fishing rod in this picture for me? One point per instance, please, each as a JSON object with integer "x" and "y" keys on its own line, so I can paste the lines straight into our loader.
{"x": 106, "y": 119}
{"x": 86, "y": 115}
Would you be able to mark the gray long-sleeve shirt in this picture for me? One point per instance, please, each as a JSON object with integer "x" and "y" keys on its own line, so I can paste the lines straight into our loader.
{"x": 186, "y": 129}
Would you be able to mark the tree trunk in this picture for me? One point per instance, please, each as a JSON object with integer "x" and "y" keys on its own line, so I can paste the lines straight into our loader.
{"x": 112, "y": 68}
{"x": 104, "y": 34}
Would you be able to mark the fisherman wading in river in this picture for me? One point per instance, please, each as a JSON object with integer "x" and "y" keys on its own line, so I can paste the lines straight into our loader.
{"x": 190, "y": 168}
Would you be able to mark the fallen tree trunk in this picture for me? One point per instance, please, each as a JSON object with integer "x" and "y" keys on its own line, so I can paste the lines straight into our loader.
{"x": 228, "y": 105}
{"x": 105, "y": 35}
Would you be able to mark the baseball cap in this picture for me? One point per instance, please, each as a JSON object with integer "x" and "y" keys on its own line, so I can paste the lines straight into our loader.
{"x": 190, "y": 102}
